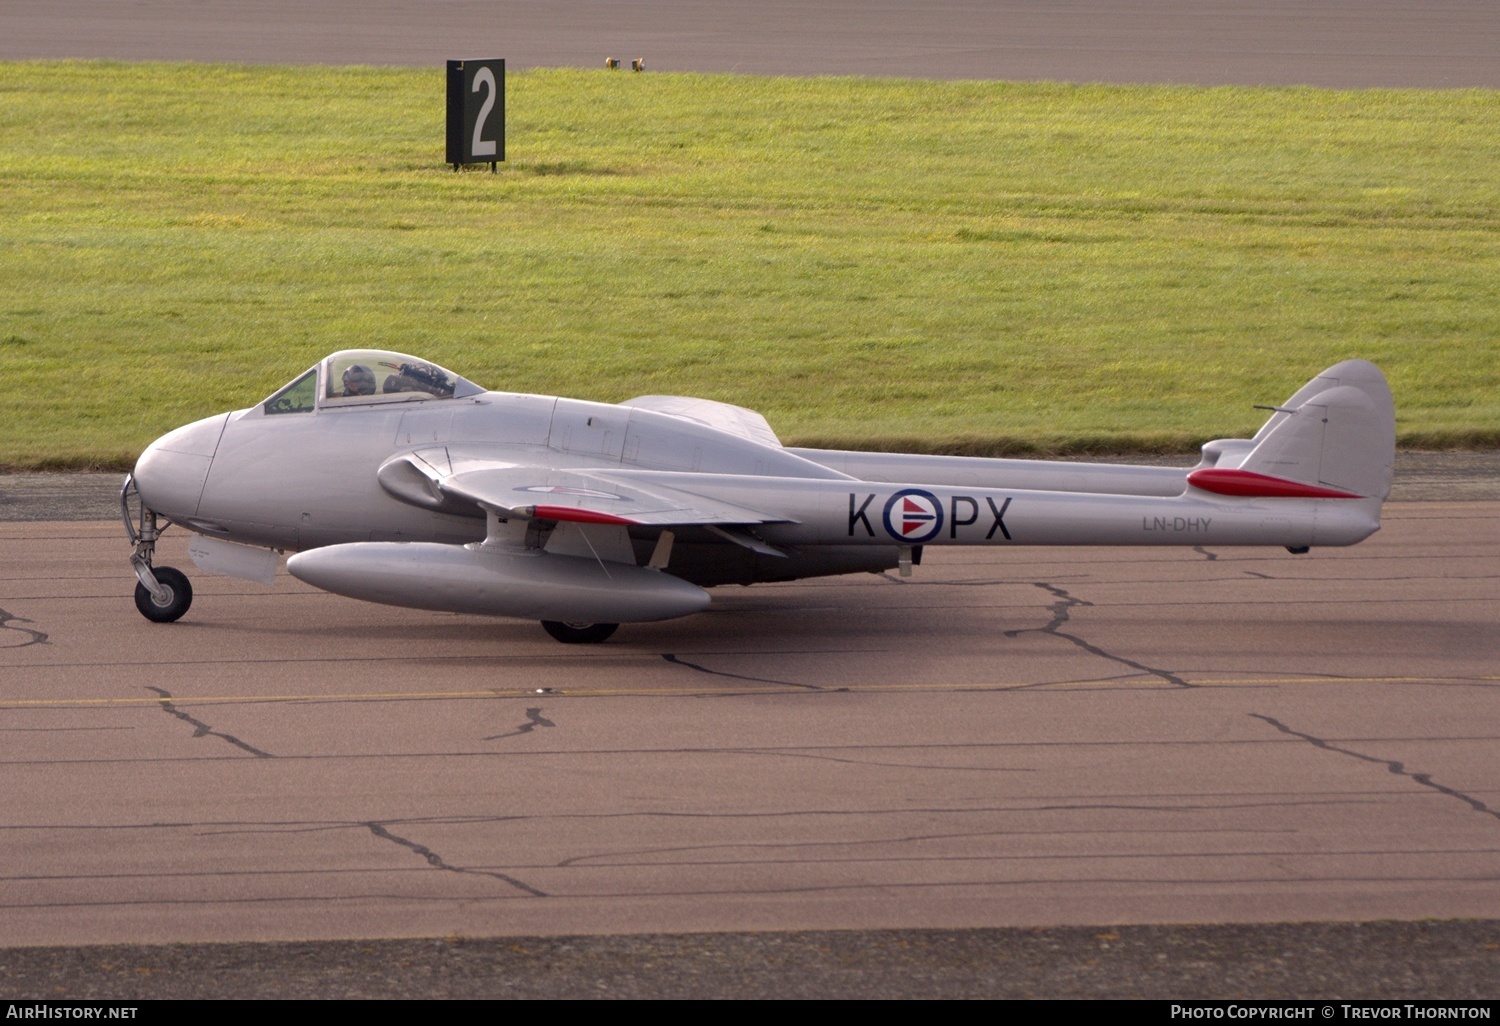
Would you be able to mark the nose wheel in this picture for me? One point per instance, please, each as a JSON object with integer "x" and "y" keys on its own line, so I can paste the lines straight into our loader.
{"x": 162, "y": 593}
{"x": 172, "y": 598}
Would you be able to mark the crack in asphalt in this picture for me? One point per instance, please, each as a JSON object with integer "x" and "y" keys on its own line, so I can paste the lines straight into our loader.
{"x": 669, "y": 657}
{"x": 436, "y": 861}
{"x": 1060, "y": 616}
{"x": 8, "y": 622}
{"x": 534, "y": 719}
{"x": 1392, "y": 765}
{"x": 201, "y": 729}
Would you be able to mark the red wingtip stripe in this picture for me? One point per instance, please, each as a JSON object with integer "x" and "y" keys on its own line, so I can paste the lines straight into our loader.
{"x": 578, "y": 516}
{"x": 1232, "y": 481}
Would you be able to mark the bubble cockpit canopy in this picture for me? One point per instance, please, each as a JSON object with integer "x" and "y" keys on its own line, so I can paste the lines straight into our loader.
{"x": 359, "y": 377}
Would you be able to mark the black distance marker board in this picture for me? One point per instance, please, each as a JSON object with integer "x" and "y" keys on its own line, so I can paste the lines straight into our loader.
{"x": 476, "y": 112}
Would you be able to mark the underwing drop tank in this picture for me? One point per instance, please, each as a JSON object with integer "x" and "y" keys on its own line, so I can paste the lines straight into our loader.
{"x": 494, "y": 581}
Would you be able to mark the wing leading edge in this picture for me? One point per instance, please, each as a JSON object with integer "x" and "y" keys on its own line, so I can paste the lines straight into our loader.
{"x": 429, "y": 478}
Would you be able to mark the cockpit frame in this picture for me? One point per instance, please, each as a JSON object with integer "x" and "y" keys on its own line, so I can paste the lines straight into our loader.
{"x": 366, "y": 377}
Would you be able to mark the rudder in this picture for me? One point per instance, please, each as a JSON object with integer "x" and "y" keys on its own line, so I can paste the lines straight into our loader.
{"x": 1338, "y": 431}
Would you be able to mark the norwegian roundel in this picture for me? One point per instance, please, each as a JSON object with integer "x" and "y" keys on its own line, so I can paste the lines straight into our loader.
{"x": 912, "y": 515}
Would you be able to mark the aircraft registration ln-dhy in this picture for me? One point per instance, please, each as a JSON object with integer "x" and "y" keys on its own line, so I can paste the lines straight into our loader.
{"x": 393, "y": 480}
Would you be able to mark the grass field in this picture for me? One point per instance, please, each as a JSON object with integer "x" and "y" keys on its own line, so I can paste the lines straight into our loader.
{"x": 941, "y": 266}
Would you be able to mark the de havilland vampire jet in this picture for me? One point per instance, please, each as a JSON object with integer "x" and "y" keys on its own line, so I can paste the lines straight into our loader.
{"x": 396, "y": 481}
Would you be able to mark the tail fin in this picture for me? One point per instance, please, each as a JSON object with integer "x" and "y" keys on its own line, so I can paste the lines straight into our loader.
{"x": 1334, "y": 438}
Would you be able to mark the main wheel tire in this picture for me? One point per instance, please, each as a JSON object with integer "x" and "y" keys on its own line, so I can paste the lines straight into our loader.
{"x": 579, "y": 633}
{"x": 179, "y": 596}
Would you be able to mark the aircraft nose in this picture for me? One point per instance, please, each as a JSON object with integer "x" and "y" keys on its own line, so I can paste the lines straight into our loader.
{"x": 171, "y": 473}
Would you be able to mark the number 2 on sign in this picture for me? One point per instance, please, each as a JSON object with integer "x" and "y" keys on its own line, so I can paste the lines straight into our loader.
{"x": 484, "y": 147}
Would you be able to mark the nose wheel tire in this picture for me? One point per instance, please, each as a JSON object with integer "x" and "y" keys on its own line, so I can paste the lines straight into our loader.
{"x": 579, "y": 633}
{"x": 179, "y": 596}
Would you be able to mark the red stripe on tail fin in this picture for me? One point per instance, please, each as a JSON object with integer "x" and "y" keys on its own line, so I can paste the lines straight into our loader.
{"x": 1229, "y": 481}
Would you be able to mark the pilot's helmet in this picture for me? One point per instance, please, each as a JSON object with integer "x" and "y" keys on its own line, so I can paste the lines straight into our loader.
{"x": 359, "y": 380}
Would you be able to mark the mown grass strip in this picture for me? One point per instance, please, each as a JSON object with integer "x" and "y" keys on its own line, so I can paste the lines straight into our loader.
{"x": 942, "y": 266}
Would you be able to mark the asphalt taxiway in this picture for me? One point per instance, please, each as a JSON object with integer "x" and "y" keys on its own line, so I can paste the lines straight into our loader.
{"x": 988, "y": 779}
{"x": 1011, "y": 737}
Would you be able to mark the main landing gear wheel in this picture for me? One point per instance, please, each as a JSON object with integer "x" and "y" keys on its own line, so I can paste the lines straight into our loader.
{"x": 178, "y": 596}
{"x": 575, "y": 633}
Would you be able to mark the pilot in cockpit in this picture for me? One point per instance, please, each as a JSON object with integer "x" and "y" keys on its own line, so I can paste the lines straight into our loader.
{"x": 359, "y": 380}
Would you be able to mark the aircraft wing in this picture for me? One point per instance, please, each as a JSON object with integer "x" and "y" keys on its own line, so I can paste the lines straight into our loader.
{"x": 435, "y": 480}
{"x": 735, "y": 420}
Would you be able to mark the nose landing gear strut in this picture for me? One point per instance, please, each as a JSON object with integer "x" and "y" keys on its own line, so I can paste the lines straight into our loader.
{"x": 162, "y": 594}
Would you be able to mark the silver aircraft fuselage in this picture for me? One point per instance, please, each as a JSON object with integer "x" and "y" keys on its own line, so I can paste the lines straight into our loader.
{"x": 438, "y": 494}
